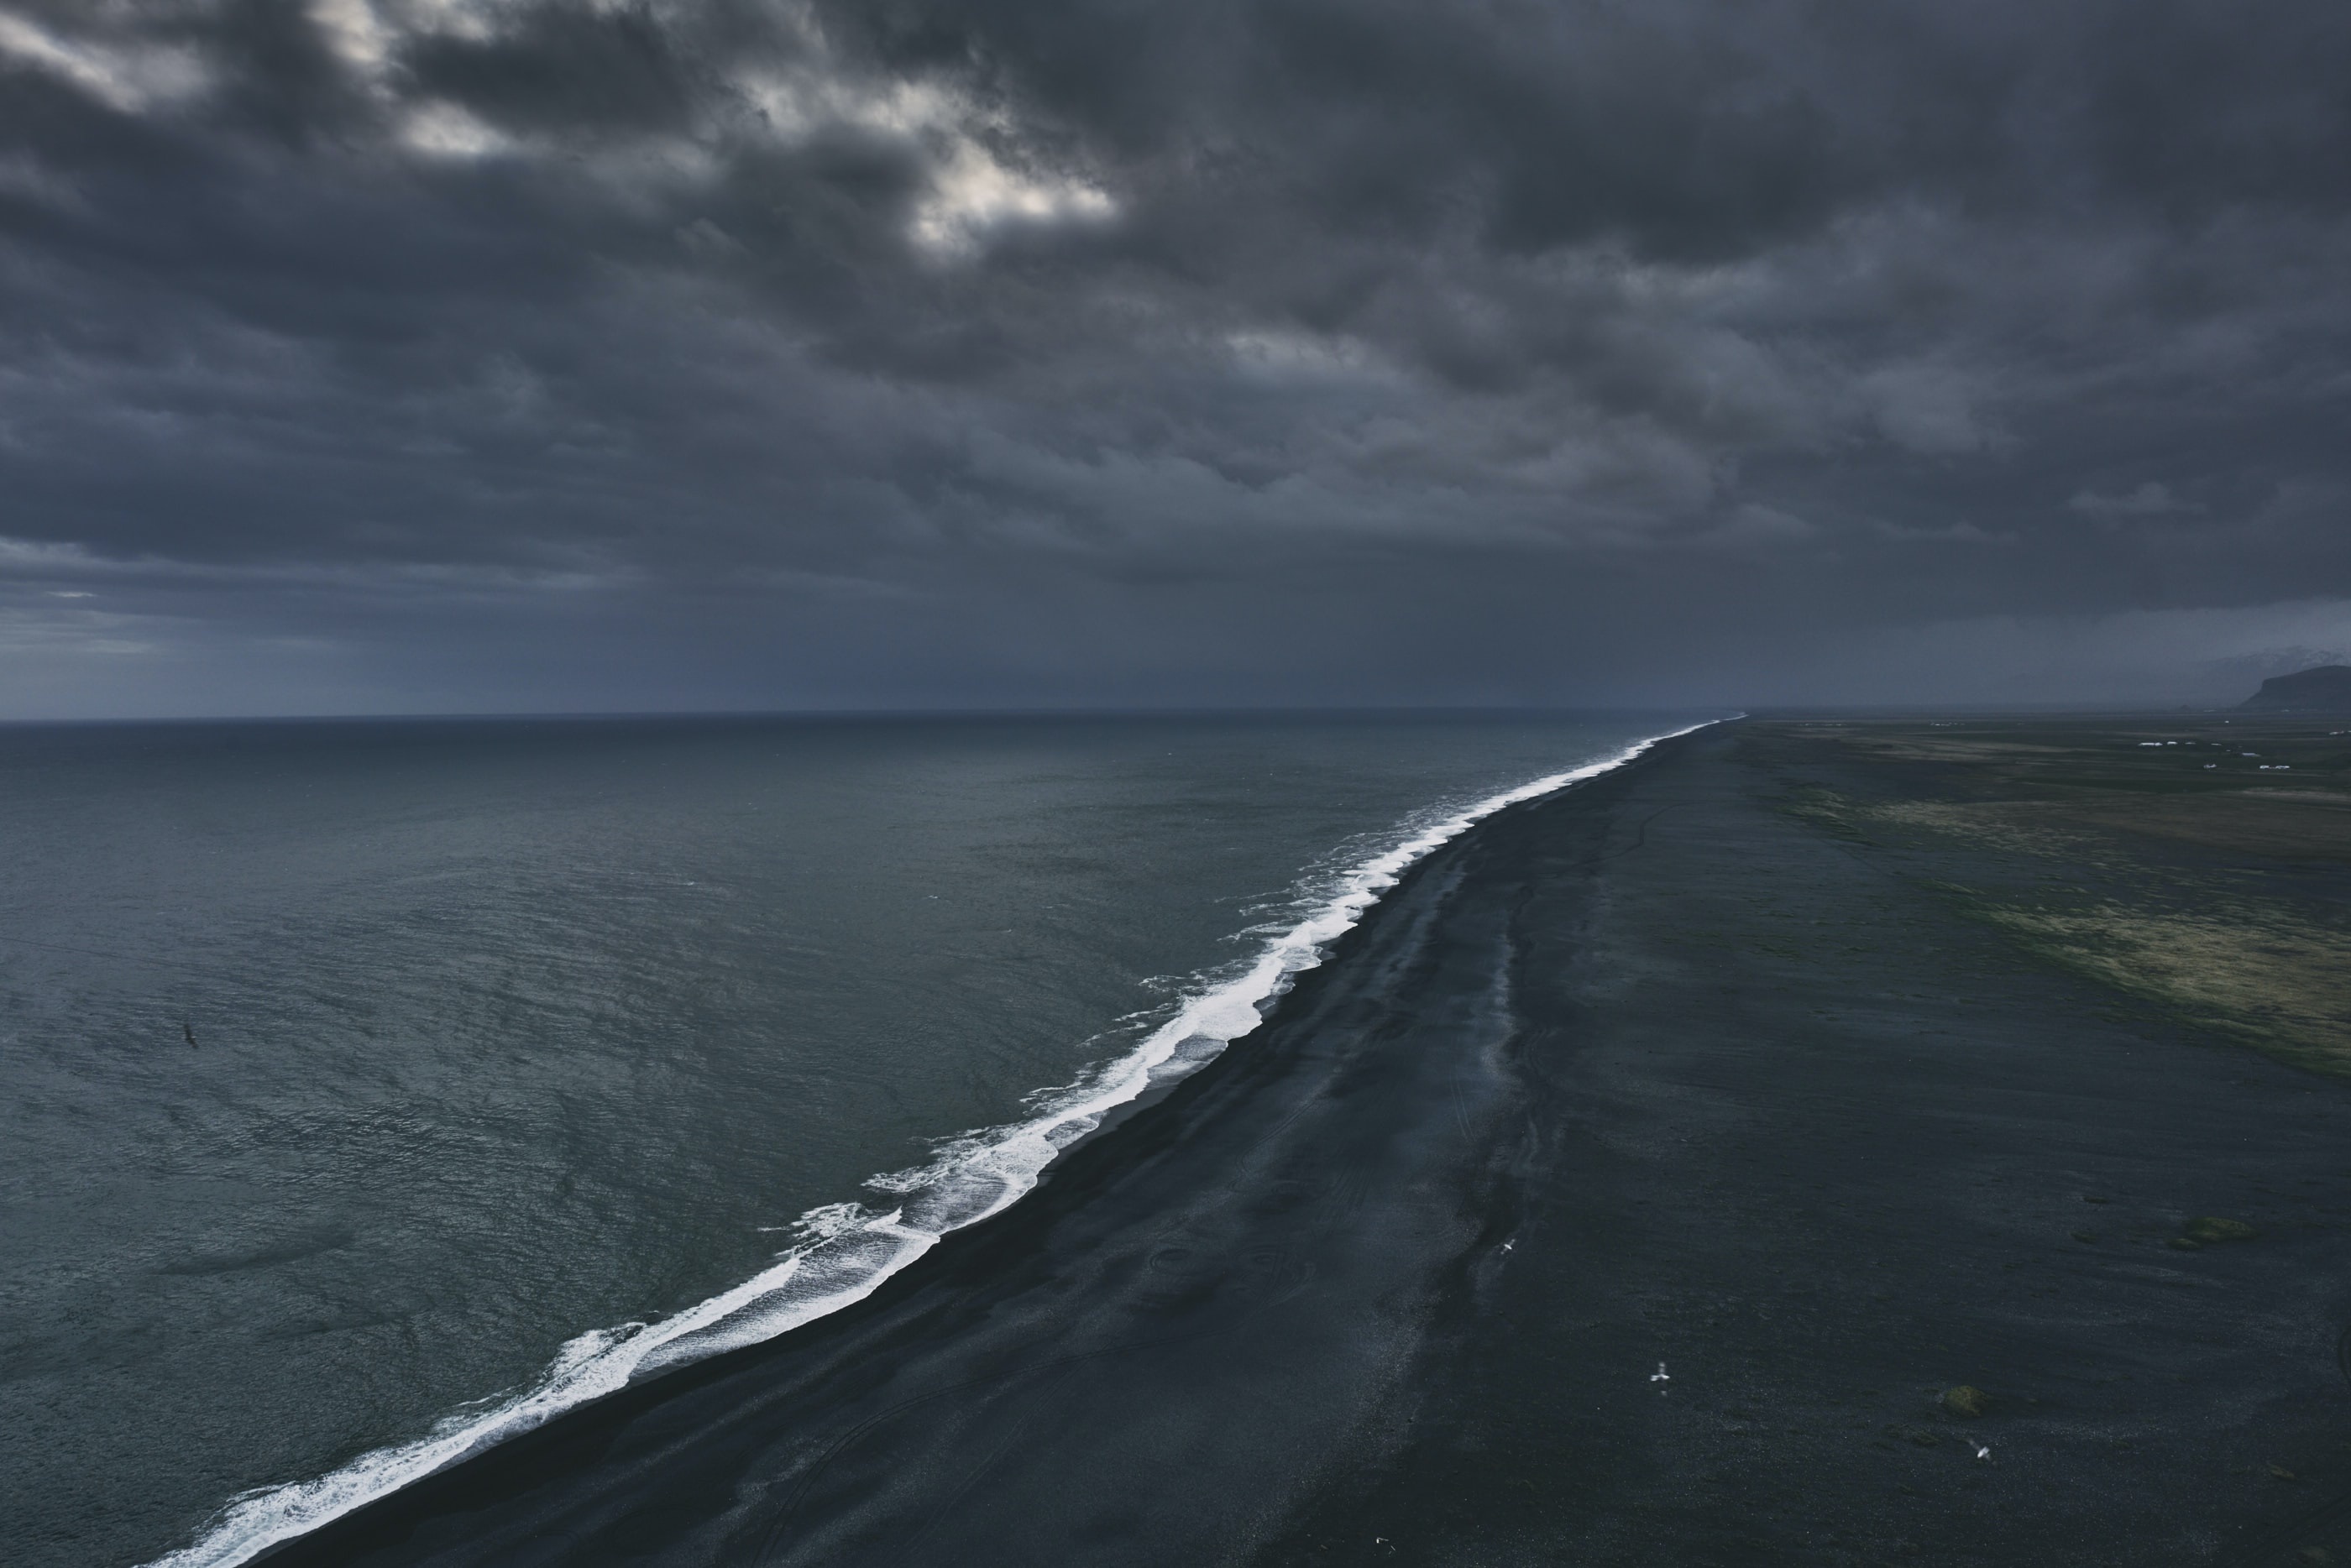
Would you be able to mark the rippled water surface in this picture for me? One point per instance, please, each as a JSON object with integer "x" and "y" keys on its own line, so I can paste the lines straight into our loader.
{"x": 507, "y": 1031}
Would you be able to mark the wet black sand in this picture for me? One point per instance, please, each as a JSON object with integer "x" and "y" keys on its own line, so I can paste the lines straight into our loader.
{"x": 1653, "y": 1071}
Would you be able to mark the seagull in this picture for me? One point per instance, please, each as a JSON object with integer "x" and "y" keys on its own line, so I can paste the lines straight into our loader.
{"x": 1508, "y": 1245}
{"x": 1982, "y": 1452}
{"x": 1659, "y": 1376}
{"x": 189, "y": 1030}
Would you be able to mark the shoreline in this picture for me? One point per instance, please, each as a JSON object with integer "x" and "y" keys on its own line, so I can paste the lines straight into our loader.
{"x": 986, "y": 1172}
{"x": 1656, "y": 1070}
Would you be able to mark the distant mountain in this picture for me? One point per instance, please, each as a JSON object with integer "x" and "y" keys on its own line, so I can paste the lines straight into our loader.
{"x": 2326, "y": 689}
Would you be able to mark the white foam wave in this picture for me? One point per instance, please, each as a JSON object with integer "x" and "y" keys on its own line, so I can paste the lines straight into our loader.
{"x": 847, "y": 1250}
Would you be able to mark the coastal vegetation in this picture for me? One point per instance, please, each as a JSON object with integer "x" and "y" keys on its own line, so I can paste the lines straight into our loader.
{"x": 2197, "y": 864}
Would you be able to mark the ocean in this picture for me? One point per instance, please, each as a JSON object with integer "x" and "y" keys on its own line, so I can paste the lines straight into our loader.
{"x": 375, "y": 1089}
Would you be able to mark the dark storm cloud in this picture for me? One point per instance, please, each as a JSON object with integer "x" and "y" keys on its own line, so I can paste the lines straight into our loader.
{"x": 493, "y": 352}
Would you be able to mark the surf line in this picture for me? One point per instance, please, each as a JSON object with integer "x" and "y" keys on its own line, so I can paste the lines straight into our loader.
{"x": 849, "y": 1250}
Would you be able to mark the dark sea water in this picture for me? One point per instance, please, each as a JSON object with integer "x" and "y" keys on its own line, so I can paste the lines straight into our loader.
{"x": 532, "y": 1056}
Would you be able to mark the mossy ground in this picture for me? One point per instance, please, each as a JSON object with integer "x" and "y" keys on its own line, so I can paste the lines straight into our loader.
{"x": 2252, "y": 971}
{"x": 2197, "y": 864}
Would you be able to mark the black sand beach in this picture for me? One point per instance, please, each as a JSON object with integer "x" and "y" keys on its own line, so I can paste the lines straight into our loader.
{"x": 1660, "y": 1070}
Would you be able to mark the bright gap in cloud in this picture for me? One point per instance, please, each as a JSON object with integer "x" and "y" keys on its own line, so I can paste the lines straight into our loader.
{"x": 972, "y": 196}
{"x": 128, "y": 81}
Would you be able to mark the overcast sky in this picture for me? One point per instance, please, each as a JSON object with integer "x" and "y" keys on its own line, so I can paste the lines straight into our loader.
{"x": 518, "y": 355}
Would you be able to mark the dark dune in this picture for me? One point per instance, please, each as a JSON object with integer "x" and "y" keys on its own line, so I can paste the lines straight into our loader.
{"x": 1653, "y": 1071}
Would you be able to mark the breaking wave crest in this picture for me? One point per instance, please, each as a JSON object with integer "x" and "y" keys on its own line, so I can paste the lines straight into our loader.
{"x": 845, "y": 1251}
